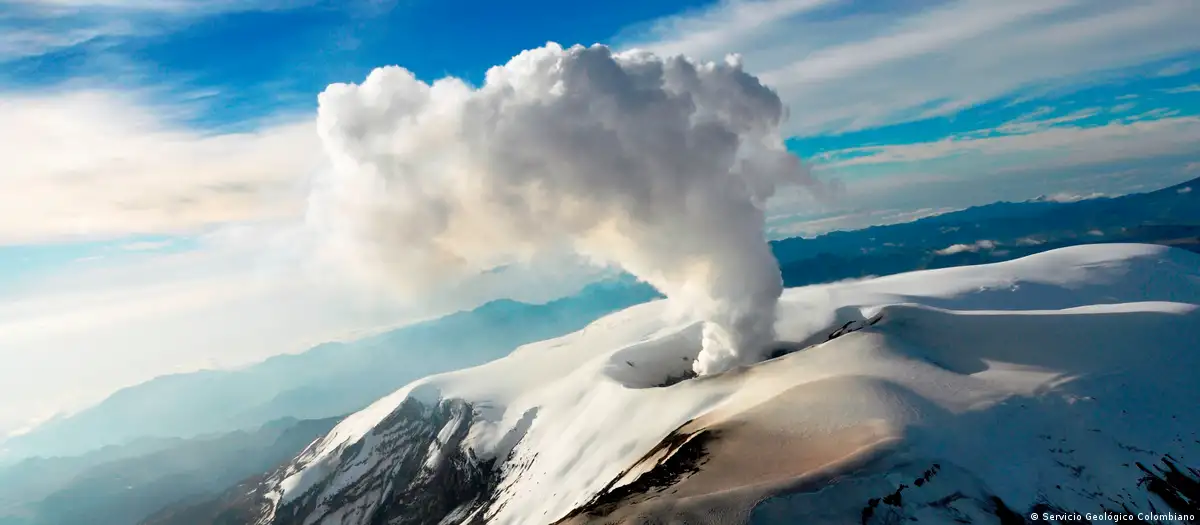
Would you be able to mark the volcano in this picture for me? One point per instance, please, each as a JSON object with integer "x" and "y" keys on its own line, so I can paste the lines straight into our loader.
{"x": 1059, "y": 383}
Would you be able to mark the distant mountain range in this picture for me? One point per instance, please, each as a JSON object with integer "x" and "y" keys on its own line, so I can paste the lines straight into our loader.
{"x": 120, "y": 485}
{"x": 328, "y": 380}
{"x": 994, "y": 232}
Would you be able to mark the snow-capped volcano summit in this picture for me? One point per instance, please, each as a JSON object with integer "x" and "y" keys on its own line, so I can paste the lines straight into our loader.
{"x": 1062, "y": 382}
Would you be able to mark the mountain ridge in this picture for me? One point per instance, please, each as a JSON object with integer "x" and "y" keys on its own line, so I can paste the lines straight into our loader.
{"x": 329, "y": 380}
{"x": 1061, "y": 359}
{"x": 117, "y": 487}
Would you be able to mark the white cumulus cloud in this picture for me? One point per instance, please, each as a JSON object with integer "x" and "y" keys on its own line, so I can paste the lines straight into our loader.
{"x": 661, "y": 166}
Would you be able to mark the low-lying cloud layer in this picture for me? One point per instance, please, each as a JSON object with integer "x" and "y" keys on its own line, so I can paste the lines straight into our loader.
{"x": 661, "y": 166}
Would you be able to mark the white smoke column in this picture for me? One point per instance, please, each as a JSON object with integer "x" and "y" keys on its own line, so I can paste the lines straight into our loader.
{"x": 659, "y": 165}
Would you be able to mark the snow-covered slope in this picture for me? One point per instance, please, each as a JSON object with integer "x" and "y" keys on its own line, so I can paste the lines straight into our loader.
{"x": 1058, "y": 381}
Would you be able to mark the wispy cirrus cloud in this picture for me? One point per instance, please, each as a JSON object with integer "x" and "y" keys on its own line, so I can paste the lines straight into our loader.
{"x": 20, "y": 42}
{"x": 724, "y": 27}
{"x": 61, "y": 7}
{"x": 1191, "y": 88}
{"x": 1055, "y": 140}
{"x": 843, "y": 67}
{"x": 32, "y": 28}
{"x": 101, "y": 164}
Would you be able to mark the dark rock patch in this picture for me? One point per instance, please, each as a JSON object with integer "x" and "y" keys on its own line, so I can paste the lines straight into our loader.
{"x": 1178, "y": 488}
{"x": 684, "y": 455}
{"x": 894, "y": 499}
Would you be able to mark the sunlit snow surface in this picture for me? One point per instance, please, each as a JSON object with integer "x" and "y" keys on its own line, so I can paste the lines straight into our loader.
{"x": 985, "y": 370}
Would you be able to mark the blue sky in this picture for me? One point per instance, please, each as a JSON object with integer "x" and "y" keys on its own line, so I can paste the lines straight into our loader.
{"x": 156, "y": 153}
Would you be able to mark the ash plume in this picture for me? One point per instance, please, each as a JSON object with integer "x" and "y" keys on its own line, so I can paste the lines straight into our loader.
{"x": 661, "y": 166}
